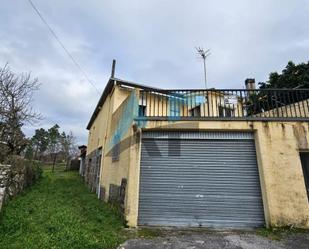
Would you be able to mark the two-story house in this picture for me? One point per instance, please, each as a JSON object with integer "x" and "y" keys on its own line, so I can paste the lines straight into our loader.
{"x": 201, "y": 157}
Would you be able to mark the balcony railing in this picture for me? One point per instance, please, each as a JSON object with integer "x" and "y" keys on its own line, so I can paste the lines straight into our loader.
{"x": 261, "y": 104}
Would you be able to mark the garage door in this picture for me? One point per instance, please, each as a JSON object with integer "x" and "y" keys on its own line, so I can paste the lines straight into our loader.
{"x": 199, "y": 179}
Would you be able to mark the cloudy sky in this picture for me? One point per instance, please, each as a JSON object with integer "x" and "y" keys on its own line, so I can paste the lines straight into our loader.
{"x": 153, "y": 42}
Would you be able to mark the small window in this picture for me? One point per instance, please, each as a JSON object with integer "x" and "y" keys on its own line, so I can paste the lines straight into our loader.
{"x": 304, "y": 158}
{"x": 141, "y": 111}
{"x": 225, "y": 112}
{"x": 228, "y": 112}
{"x": 142, "y": 106}
{"x": 195, "y": 112}
{"x": 116, "y": 152}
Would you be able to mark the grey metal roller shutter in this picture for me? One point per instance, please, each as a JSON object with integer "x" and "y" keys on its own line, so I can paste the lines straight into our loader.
{"x": 199, "y": 179}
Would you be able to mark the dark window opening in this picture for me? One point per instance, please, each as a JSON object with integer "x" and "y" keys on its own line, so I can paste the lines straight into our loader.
{"x": 225, "y": 112}
{"x": 116, "y": 152}
{"x": 141, "y": 110}
{"x": 195, "y": 112}
{"x": 304, "y": 158}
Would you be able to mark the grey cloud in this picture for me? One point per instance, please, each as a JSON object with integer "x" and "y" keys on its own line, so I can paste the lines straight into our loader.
{"x": 153, "y": 42}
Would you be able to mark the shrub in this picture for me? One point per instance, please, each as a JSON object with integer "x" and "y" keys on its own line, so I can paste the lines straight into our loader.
{"x": 31, "y": 170}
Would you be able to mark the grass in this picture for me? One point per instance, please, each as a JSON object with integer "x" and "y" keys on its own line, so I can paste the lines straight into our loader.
{"x": 59, "y": 212}
{"x": 278, "y": 233}
{"x": 149, "y": 233}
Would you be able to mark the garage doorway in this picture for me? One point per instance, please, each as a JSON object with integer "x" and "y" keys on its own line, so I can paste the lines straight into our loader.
{"x": 199, "y": 179}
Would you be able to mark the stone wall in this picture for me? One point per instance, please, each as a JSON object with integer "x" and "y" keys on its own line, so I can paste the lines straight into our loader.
{"x": 16, "y": 177}
{"x": 4, "y": 176}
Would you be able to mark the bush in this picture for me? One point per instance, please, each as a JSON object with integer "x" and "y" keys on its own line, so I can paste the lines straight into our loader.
{"x": 32, "y": 170}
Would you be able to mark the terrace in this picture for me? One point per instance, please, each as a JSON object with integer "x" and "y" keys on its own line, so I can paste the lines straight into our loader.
{"x": 224, "y": 104}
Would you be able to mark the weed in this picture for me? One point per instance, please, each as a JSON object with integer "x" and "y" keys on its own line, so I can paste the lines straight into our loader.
{"x": 59, "y": 212}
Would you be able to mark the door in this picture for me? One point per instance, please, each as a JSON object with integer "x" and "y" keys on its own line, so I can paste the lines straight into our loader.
{"x": 199, "y": 179}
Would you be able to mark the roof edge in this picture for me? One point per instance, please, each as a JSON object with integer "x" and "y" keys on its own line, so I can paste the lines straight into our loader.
{"x": 108, "y": 88}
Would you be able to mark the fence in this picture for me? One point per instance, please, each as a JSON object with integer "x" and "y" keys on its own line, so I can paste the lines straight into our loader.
{"x": 266, "y": 104}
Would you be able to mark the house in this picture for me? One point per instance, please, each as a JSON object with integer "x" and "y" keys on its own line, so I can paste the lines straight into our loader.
{"x": 201, "y": 157}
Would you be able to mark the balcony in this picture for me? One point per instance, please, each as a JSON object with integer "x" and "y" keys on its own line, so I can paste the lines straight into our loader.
{"x": 227, "y": 104}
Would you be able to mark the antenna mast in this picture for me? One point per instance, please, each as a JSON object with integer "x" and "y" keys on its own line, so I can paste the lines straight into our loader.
{"x": 204, "y": 54}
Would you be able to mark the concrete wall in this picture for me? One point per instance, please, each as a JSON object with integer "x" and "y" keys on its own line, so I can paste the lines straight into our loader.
{"x": 112, "y": 127}
{"x": 97, "y": 139}
{"x": 282, "y": 182}
{"x": 277, "y": 144}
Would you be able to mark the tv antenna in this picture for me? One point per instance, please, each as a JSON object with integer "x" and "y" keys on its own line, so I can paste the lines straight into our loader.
{"x": 204, "y": 54}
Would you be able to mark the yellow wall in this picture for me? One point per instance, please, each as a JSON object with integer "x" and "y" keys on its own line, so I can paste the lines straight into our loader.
{"x": 113, "y": 172}
{"x": 120, "y": 93}
{"x": 277, "y": 145}
{"x": 159, "y": 104}
{"x": 100, "y": 135}
{"x": 99, "y": 128}
{"x": 298, "y": 109}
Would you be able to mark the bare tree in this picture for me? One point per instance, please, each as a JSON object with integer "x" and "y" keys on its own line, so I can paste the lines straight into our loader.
{"x": 54, "y": 145}
{"x": 16, "y": 96}
{"x": 69, "y": 147}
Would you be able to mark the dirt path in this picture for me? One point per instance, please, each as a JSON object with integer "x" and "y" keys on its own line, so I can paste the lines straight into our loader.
{"x": 220, "y": 240}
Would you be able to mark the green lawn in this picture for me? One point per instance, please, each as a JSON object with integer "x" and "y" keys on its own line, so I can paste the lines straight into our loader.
{"x": 59, "y": 212}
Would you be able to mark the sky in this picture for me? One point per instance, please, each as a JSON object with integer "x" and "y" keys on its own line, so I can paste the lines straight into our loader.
{"x": 153, "y": 42}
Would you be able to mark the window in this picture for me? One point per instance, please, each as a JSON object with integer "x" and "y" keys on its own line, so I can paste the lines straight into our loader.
{"x": 142, "y": 106}
{"x": 116, "y": 152}
{"x": 304, "y": 158}
{"x": 141, "y": 111}
{"x": 225, "y": 112}
{"x": 195, "y": 112}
